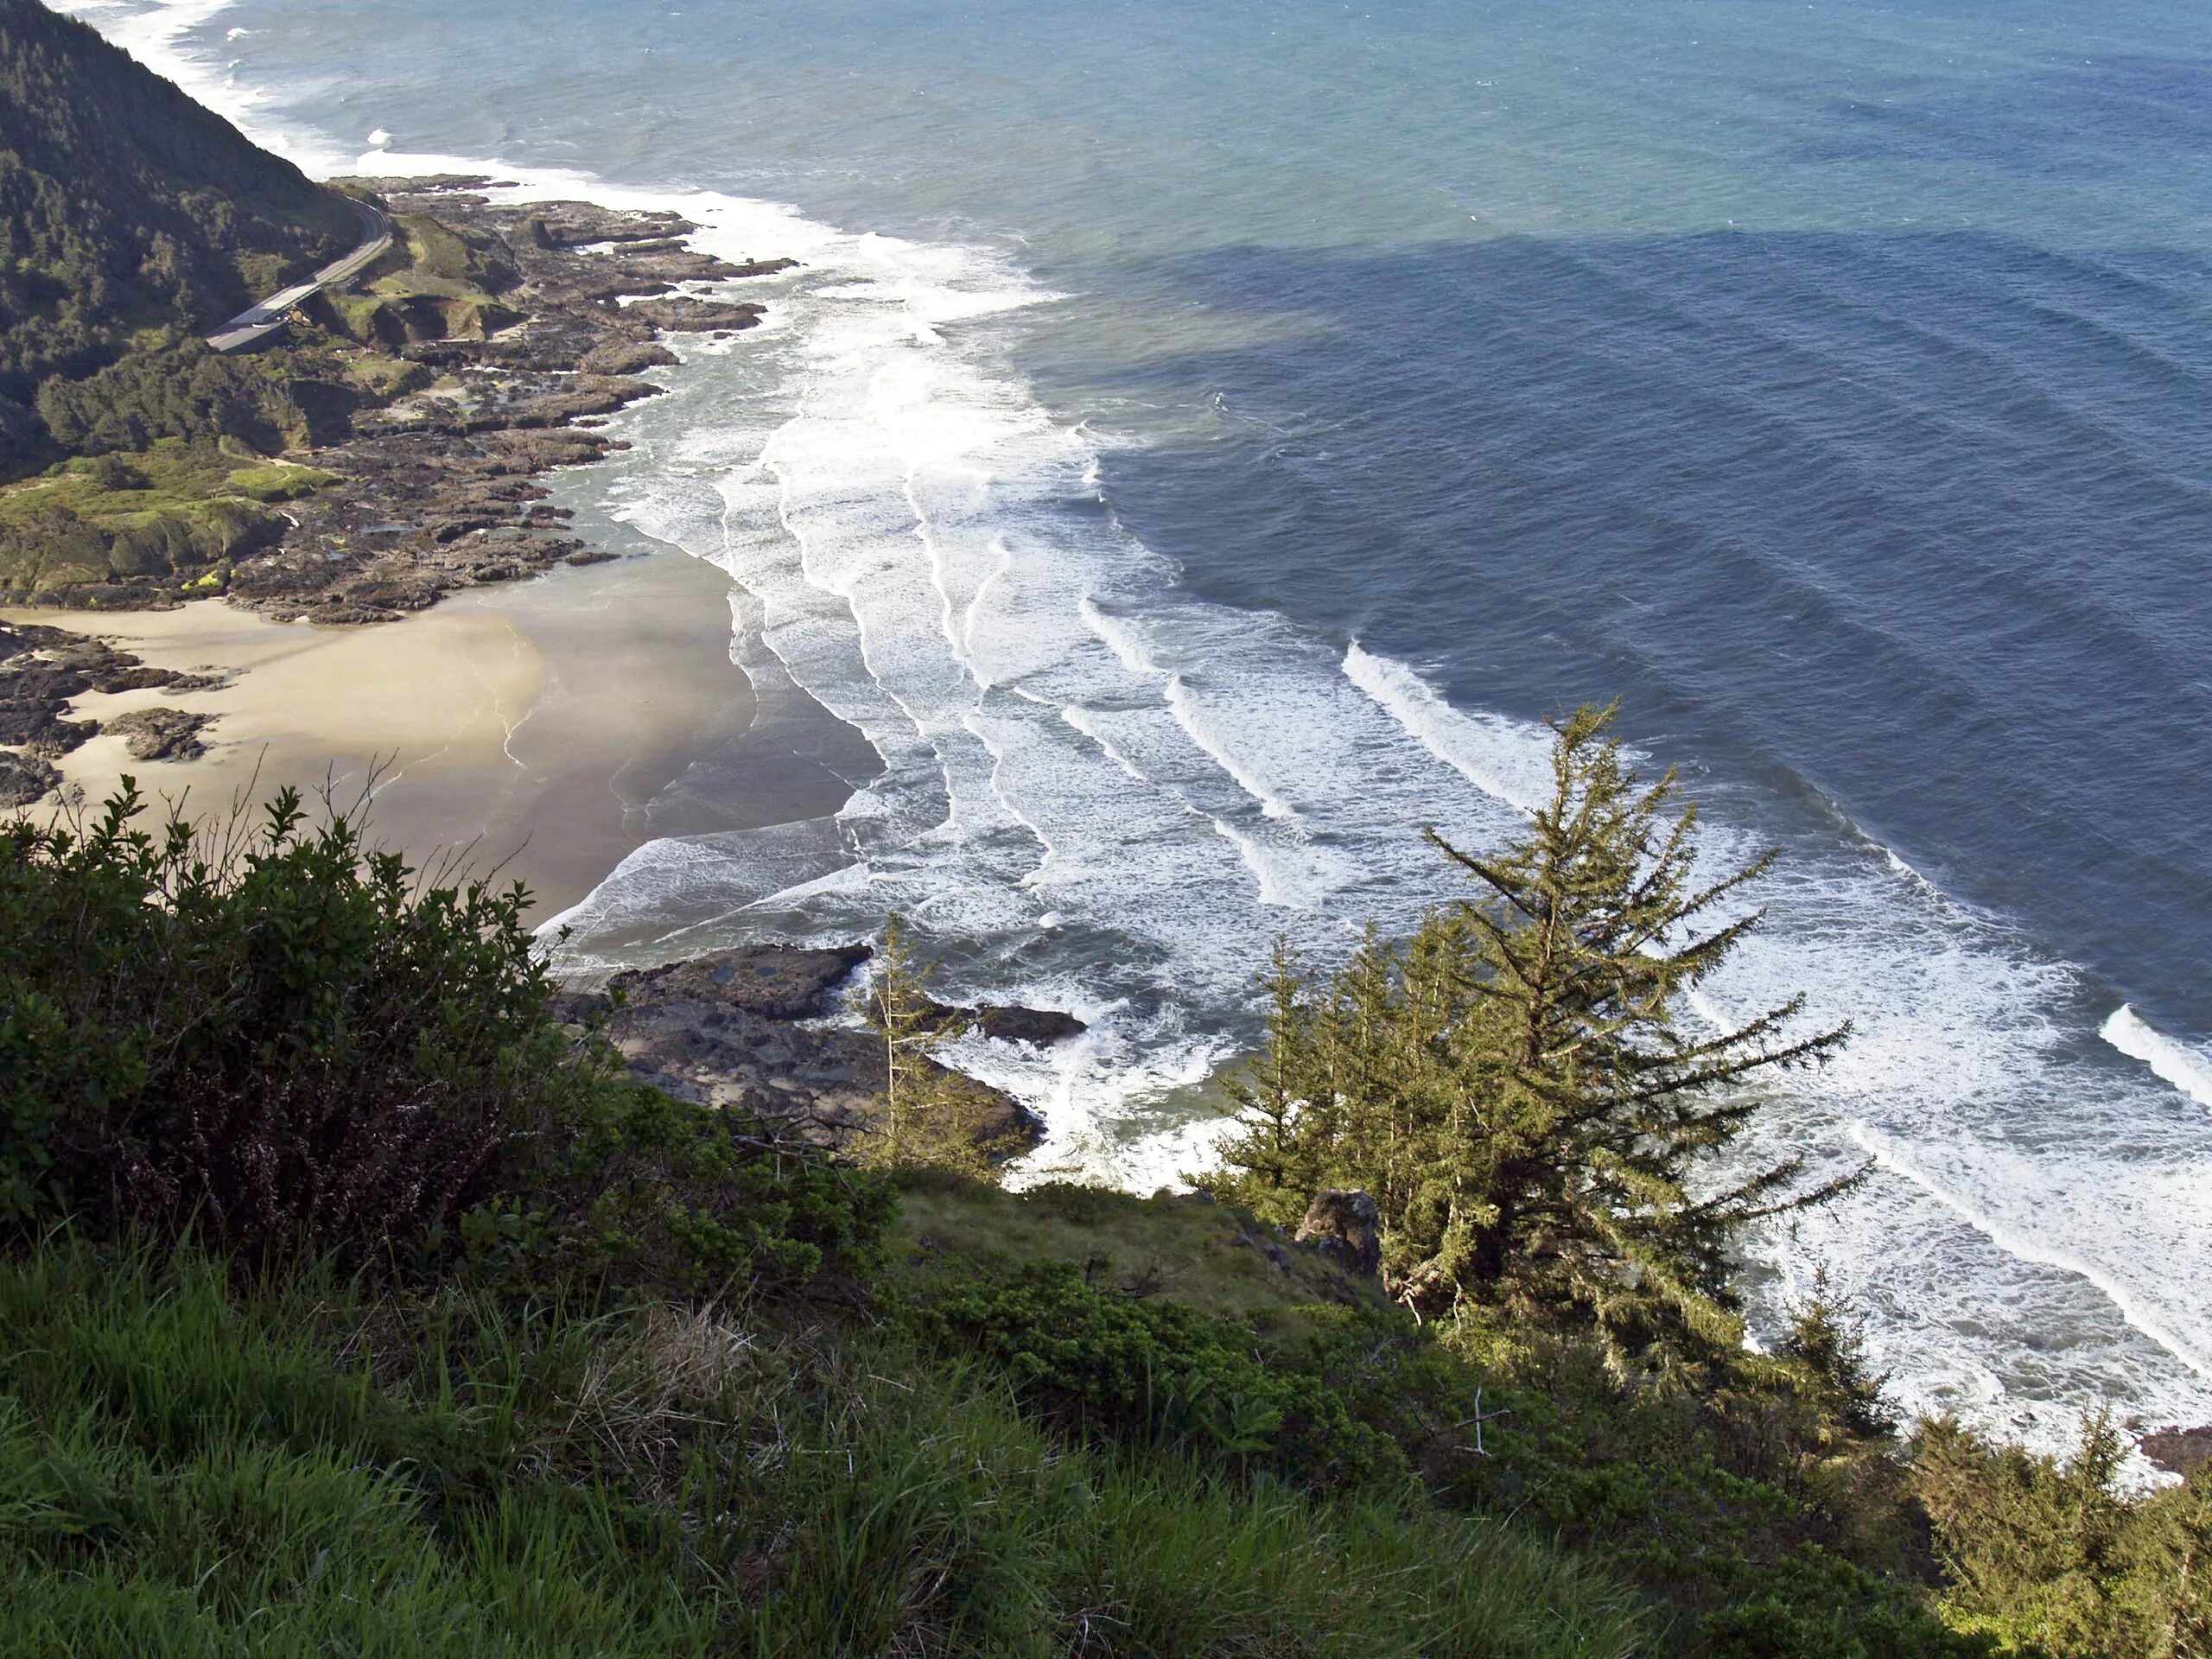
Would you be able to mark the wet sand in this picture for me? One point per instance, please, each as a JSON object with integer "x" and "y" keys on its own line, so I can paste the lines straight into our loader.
{"x": 548, "y": 727}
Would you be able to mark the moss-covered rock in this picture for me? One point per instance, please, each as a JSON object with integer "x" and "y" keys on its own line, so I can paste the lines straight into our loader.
{"x": 167, "y": 517}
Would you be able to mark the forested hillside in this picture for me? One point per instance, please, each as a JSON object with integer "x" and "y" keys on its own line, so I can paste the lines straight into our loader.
{"x": 126, "y": 207}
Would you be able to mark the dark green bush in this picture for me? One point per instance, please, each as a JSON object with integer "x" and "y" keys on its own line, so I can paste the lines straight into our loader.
{"x": 1155, "y": 1372}
{"x": 280, "y": 1040}
{"x": 1769, "y": 1527}
{"x": 643, "y": 1189}
{"x": 2049, "y": 1557}
{"x": 184, "y": 391}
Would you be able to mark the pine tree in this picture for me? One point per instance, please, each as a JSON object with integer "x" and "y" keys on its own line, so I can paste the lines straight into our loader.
{"x": 1827, "y": 1341}
{"x": 1518, "y": 1087}
{"x": 1275, "y": 1157}
{"x": 1600, "y": 1102}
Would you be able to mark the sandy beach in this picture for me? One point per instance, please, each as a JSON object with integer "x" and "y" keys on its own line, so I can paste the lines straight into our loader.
{"x": 547, "y": 727}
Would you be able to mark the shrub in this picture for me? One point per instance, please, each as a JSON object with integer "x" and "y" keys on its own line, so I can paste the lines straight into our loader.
{"x": 643, "y": 1189}
{"x": 1159, "y": 1373}
{"x": 1748, "y": 1508}
{"x": 184, "y": 391}
{"x": 282, "y": 1041}
{"x": 2049, "y": 1557}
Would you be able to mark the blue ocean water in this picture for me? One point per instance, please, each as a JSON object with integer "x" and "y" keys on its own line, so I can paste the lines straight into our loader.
{"x": 1204, "y": 441}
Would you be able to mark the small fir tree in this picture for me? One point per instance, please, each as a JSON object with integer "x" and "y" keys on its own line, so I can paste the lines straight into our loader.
{"x": 1519, "y": 1090}
{"x": 1275, "y": 1150}
{"x": 1827, "y": 1341}
{"x": 932, "y": 1117}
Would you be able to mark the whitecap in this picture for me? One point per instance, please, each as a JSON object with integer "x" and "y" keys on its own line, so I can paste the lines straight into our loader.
{"x": 2186, "y": 1068}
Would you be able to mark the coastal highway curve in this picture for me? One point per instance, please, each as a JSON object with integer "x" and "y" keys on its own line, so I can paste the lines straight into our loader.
{"x": 258, "y": 322}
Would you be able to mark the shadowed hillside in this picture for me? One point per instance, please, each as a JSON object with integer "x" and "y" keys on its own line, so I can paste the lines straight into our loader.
{"x": 125, "y": 206}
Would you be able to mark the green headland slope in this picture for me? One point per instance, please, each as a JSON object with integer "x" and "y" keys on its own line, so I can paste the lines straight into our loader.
{"x": 127, "y": 209}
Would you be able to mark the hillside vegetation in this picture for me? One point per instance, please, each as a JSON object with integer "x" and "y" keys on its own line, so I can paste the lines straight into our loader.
{"x": 127, "y": 210}
{"x": 179, "y": 509}
{"x": 353, "y": 1303}
{"x": 350, "y": 1301}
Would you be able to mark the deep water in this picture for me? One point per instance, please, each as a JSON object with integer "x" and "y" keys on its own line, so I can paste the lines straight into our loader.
{"x": 1210, "y": 438}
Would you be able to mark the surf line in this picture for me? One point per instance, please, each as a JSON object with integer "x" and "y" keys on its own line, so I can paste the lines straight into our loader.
{"x": 2173, "y": 1062}
{"x": 1886, "y": 1152}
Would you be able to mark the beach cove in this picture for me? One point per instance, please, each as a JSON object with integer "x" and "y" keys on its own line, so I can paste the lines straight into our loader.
{"x": 544, "y": 730}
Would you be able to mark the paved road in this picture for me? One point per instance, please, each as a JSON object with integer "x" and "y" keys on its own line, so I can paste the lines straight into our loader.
{"x": 255, "y": 324}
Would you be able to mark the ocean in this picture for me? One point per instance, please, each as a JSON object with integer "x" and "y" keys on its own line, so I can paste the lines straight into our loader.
{"x": 1202, "y": 443}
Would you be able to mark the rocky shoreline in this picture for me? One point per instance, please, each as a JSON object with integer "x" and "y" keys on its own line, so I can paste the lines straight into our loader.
{"x": 747, "y": 1029}
{"x": 440, "y": 490}
{"x": 548, "y": 319}
{"x": 42, "y": 671}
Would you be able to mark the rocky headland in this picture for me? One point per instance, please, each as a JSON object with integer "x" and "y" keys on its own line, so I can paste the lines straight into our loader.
{"x": 431, "y": 396}
{"x": 552, "y": 314}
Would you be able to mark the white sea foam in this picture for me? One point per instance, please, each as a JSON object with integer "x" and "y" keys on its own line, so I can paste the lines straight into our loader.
{"x": 2188, "y": 1070}
{"x": 1107, "y": 794}
{"x": 1500, "y": 758}
{"x": 1893, "y": 1152}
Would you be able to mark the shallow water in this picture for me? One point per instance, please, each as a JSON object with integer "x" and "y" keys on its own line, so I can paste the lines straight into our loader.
{"x": 1203, "y": 440}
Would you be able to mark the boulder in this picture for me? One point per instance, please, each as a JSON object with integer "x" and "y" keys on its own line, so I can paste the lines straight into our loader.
{"x": 162, "y": 733}
{"x": 25, "y": 778}
{"x": 1039, "y": 1027}
{"x": 1346, "y": 1228}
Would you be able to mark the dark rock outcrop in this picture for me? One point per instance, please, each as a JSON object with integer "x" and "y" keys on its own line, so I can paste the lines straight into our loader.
{"x": 25, "y": 778}
{"x": 1346, "y": 1228}
{"x": 731, "y": 1030}
{"x": 776, "y": 982}
{"x": 1038, "y": 1027}
{"x": 37, "y": 731}
{"x": 2177, "y": 1450}
{"x": 438, "y": 494}
{"x": 626, "y": 357}
{"x": 42, "y": 670}
{"x": 162, "y": 733}
{"x": 683, "y": 315}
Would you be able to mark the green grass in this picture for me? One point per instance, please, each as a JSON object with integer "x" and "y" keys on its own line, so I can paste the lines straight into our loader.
{"x": 186, "y": 1470}
{"x": 439, "y": 261}
{"x": 1183, "y": 1247}
{"x": 384, "y": 378}
{"x": 433, "y": 282}
{"x": 173, "y": 509}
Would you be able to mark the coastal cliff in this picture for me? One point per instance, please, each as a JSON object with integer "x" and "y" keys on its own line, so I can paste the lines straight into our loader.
{"x": 382, "y": 450}
{"x": 402, "y": 429}
{"x": 362, "y": 1289}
